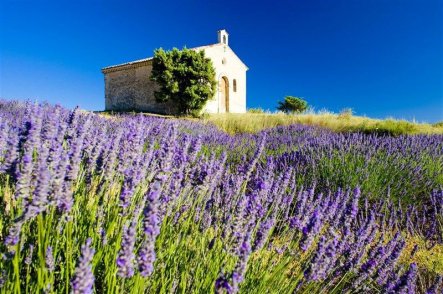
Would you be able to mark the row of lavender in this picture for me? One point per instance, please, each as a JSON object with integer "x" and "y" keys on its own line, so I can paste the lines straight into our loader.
{"x": 164, "y": 205}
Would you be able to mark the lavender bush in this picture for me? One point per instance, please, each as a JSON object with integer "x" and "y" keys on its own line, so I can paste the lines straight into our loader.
{"x": 137, "y": 204}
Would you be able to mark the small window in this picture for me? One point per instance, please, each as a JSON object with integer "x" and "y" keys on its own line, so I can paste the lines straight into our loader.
{"x": 224, "y": 39}
{"x": 234, "y": 85}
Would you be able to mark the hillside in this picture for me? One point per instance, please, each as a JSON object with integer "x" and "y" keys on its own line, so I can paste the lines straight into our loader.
{"x": 250, "y": 122}
{"x": 254, "y": 122}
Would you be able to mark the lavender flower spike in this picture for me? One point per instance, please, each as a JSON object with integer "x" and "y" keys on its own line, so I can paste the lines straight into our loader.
{"x": 50, "y": 259}
{"x": 28, "y": 259}
{"x": 83, "y": 281}
{"x": 434, "y": 288}
{"x": 311, "y": 230}
{"x": 407, "y": 282}
{"x": 151, "y": 228}
{"x": 222, "y": 285}
{"x": 126, "y": 256}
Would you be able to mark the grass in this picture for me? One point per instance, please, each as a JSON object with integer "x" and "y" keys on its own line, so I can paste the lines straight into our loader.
{"x": 427, "y": 256}
{"x": 254, "y": 122}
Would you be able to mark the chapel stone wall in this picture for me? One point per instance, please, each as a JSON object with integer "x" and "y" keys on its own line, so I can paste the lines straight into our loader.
{"x": 131, "y": 88}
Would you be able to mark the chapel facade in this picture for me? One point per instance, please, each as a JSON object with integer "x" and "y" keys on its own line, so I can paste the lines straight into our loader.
{"x": 128, "y": 86}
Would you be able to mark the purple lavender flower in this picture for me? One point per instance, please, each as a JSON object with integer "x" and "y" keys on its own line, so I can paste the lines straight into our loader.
{"x": 407, "y": 281}
{"x": 195, "y": 148}
{"x": 262, "y": 233}
{"x": 28, "y": 259}
{"x": 30, "y": 141}
{"x": 324, "y": 258}
{"x": 73, "y": 161}
{"x": 311, "y": 230}
{"x": 393, "y": 251}
{"x": 14, "y": 234}
{"x": 414, "y": 250}
{"x": 39, "y": 201}
{"x": 9, "y": 162}
{"x": 369, "y": 267}
{"x": 50, "y": 264}
{"x": 240, "y": 268}
{"x": 352, "y": 207}
{"x": 255, "y": 157}
{"x": 363, "y": 236}
{"x": 312, "y": 273}
{"x": 151, "y": 229}
{"x": 62, "y": 200}
{"x": 42, "y": 149}
{"x": 2, "y": 278}
{"x": 83, "y": 282}
{"x": 126, "y": 256}
{"x": 434, "y": 288}
{"x": 222, "y": 285}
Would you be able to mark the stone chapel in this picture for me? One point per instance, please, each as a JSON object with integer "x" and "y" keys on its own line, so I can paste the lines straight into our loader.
{"x": 128, "y": 86}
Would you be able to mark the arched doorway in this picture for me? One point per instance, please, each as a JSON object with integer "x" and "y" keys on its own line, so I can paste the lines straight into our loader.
{"x": 223, "y": 103}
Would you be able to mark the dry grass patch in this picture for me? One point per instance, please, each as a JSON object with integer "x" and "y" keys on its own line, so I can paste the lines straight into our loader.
{"x": 254, "y": 122}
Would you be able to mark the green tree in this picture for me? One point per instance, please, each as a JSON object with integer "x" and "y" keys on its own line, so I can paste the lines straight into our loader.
{"x": 292, "y": 104}
{"x": 186, "y": 77}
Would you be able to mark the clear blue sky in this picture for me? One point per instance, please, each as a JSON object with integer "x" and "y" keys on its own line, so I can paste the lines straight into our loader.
{"x": 380, "y": 57}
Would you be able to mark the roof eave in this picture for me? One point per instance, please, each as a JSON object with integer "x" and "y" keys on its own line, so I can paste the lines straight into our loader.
{"x": 127, "y": 65}
{"x": 247, "y": 68}
{"x": 146, "y": 61}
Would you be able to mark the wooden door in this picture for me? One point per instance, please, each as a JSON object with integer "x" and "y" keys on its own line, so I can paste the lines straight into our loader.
{"x": 223, "y": 105}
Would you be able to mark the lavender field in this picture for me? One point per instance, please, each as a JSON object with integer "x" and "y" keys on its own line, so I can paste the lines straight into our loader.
{"x": 138, "y": 204}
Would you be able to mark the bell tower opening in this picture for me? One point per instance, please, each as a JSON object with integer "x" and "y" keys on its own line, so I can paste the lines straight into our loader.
{"x": 223, "y": 37}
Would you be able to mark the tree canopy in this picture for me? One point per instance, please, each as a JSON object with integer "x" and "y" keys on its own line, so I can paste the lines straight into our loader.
{"x": 185, "y": 77}
{"x": 292, "y": 104}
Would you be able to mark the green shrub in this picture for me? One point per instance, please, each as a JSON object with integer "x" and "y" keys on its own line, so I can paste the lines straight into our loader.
{"x": 185, "y": 77}
{"x": 292, "y": 104}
